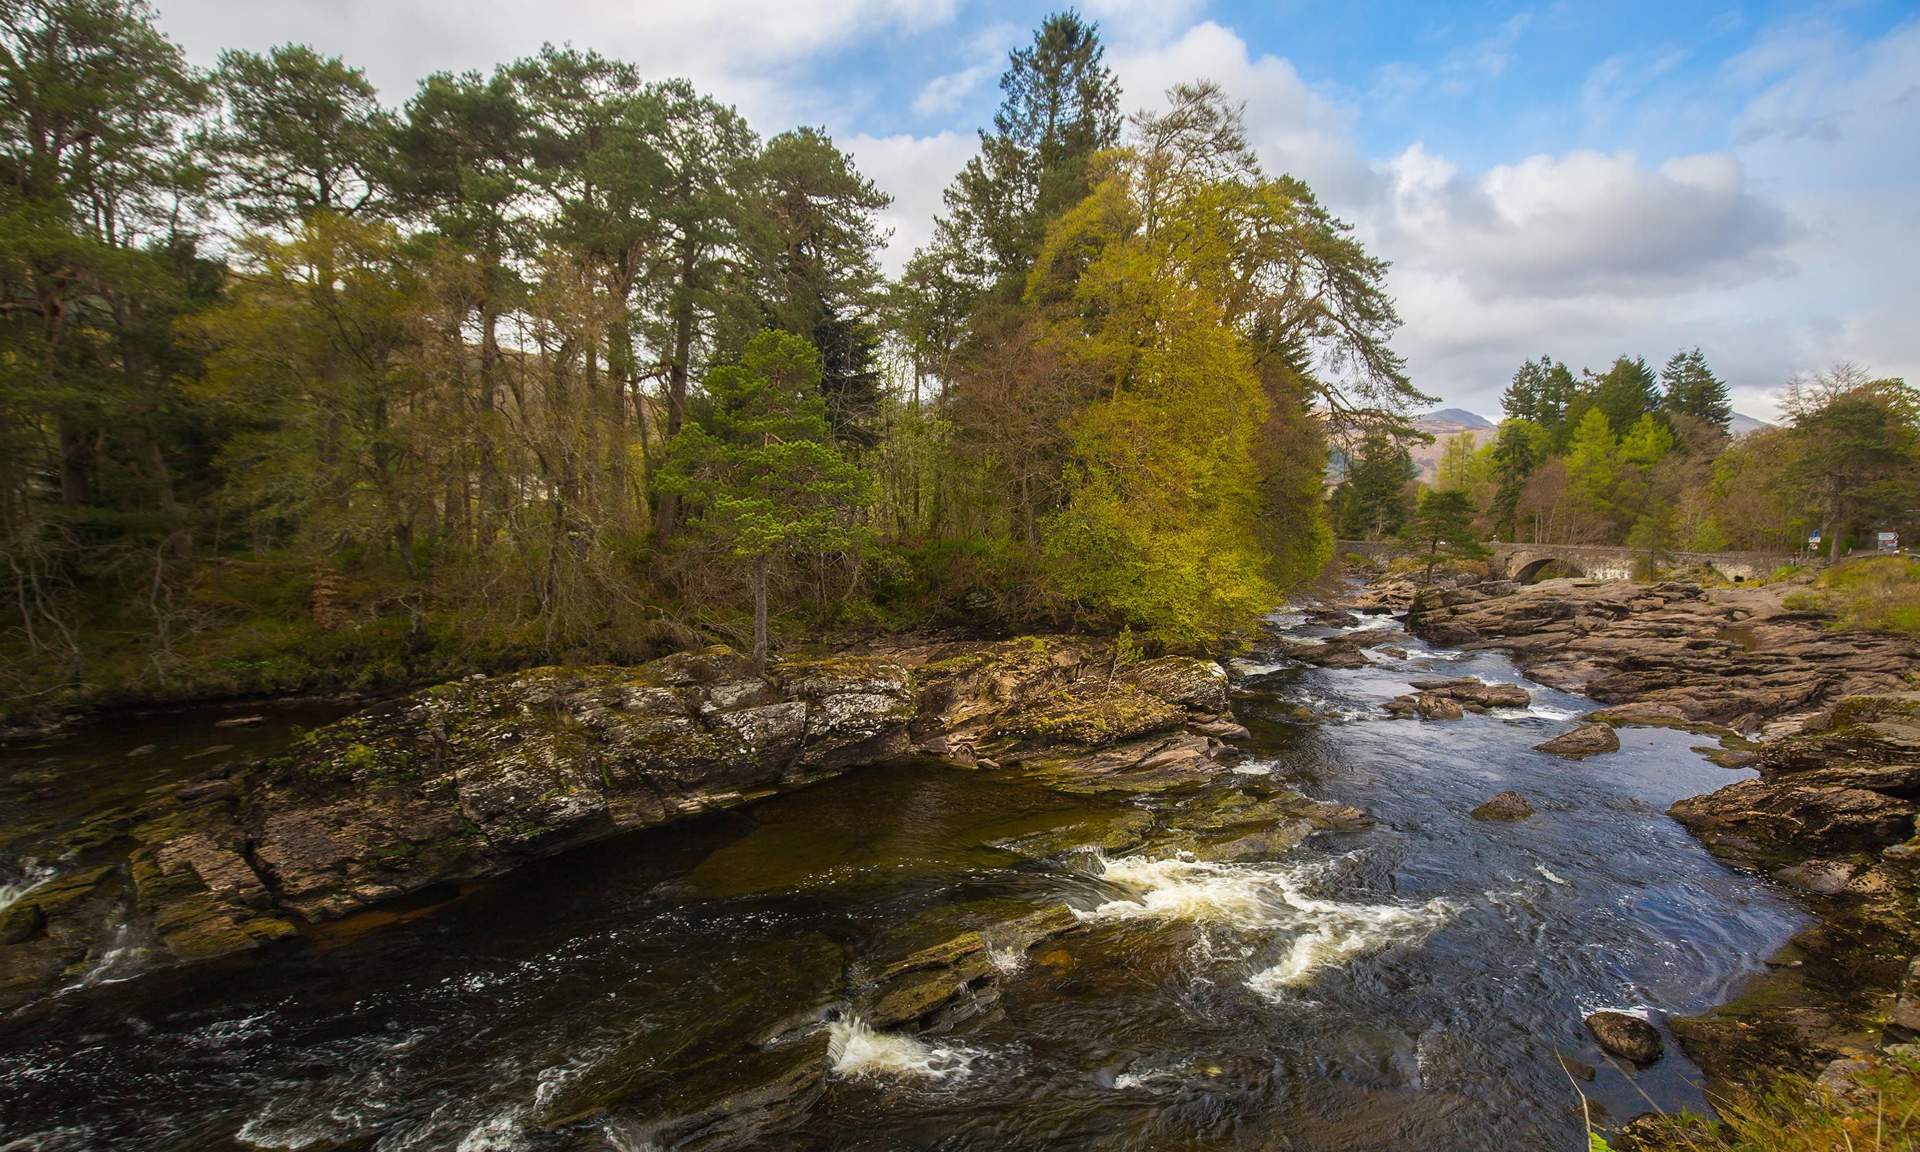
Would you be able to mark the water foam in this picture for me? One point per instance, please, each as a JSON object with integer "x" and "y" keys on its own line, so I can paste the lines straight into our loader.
{"x": 32, "y": 875}
{"x": 857, "y": 1050}
{"x": 1551, "y": 878}
{"x": 1325, "y": 933}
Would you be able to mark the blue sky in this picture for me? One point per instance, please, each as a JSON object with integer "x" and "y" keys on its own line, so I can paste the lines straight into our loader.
{"x": 1584, "y": 179}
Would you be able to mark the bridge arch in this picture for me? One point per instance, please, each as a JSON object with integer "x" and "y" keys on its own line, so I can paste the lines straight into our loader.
{"x": 1532, "y": 567}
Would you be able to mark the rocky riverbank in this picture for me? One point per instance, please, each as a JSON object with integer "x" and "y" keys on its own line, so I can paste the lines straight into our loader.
{"x": 1830, "y": 720}
{"x": 412, "y": 799}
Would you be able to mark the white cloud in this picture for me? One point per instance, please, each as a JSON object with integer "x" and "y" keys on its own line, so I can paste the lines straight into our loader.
{"x": 749, "y": 52}
{"x": 1558, "y": 226}
{"x": 944, "y": 94}
{"x": 913, "y": 170}
{"x": 1294, "y": 128}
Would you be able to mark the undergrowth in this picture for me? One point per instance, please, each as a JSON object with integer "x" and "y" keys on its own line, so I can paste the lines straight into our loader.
{"x": 1880, "y": 594}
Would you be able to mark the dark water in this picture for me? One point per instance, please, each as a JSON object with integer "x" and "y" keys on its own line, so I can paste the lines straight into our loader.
{"x": 1403, "y": 987}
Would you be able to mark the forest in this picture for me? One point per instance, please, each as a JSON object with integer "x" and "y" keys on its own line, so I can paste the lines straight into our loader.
{"x": 1628, "y": 456}
{"x": 304, "y": 391}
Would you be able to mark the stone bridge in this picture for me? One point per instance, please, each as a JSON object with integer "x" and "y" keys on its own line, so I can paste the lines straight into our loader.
{"x": 1526, "y": 563}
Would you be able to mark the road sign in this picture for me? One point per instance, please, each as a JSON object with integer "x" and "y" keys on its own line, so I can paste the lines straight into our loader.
{"x": 1889, "y": 541}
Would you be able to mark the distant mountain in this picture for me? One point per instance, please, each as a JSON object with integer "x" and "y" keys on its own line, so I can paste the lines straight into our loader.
{"x": 1440, "y": 424}
{"x": 1453, "y": 420}
{"x": 1745, "y": 425}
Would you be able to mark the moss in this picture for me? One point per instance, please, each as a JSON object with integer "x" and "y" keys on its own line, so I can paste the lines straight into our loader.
{"x": 1092, "y": 714}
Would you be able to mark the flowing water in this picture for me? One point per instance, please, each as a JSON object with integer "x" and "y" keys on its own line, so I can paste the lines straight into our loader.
{"x": 1408, "y": 986}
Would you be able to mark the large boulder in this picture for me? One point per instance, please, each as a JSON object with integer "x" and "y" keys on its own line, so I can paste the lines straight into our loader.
{"x": 1627, "y": 1037}
{"x": 1477, "y": 695}
{"x": 1426, "y": 706}
{"x": 1586, "y": 740}
{"x": 1846, "y": 783}
{"x": 1183, "y": 681}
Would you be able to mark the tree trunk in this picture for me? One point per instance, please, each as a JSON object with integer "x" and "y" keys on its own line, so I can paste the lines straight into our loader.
{"x": 760, "y": 612}
{"x": 668, "y": 512}
{"x": 73, "y": 462}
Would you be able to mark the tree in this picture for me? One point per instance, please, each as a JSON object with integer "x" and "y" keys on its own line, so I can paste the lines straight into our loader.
{"x": 1652, "y": 536}
{"x": 1456, "y": 468}
{"x": 302, "y": 133}
{"x": 1540, "y": 392}
{"x": 97, "y": 190}
{"x": 1693, "y": 389}
{"x": 1443, "y": 521}
{"x": 815, "y": 244}
{"x": 1519, "y": 447}
{"x": 1590, "y": 471}
{"x": 709, "y": 154}
{"x": 1374, "y": 499}
{"x": 761, "y": 468}
{"x": 1061, "y": 105}
{"x": 1635, "y": 469}
{"x": 1624, "y": 392}
{"x": 1856, "y": 439}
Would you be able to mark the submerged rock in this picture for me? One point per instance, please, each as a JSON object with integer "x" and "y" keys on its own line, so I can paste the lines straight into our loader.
{"x": 1586, "y": 740}
{"x": 1627, "y": 1037}
{"x": 1504, "y": 806}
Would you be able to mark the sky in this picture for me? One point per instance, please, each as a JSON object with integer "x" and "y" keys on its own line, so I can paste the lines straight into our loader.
{"x": 1579, "y": 179}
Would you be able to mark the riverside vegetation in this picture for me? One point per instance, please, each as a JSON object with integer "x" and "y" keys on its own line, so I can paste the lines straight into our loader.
{"x": 306, "y": 392}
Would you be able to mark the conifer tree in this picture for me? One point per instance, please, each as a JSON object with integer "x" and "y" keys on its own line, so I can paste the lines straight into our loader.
{"x": 1061, "y": 104}
{"x": 1693, "y": 389}
{"x": 762, "y": 469}
{"x": 1443, "y": 523}
{"x": 1624, "y": 392}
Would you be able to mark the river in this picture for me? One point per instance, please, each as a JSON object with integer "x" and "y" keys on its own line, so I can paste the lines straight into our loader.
{"x": 1406, "y": 986}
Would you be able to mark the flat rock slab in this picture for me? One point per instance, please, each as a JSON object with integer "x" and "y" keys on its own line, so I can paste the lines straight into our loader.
{"x": 1586, "y": 740}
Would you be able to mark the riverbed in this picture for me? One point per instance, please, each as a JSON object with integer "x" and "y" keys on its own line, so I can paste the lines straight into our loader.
{"x": 1419, "y": 984}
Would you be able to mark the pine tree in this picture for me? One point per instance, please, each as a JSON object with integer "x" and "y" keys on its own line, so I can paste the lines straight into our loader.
{"x": 762, "y": 469}
{"x": 1374, "y": 502}
{"x": 1519, "y": 447}
{"x": 1061, "y": 104}
{"x": 1443, "y": 521}
{"x": 1693, "y": 389}
{"x": 1624, "y": 392}
{"x": 302, "y": 133}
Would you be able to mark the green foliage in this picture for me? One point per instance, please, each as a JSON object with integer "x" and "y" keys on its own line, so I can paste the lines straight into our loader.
{"x": 1376, "y": 498}
{"x": 551, "y": 362}
{"x": 1520, "y": 446}
{"x": 1693, "y": 389}
{"x": 760, "y": 467}
{"x": 1625, "y": 392}
{"x": 1061, "y": 105}
{"x": 1857, "y": 449}
{"x": 1880, "y": 593}
{"x": 1442, "y": 526}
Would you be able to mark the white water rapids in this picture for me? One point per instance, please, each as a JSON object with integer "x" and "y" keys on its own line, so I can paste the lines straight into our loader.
{"x": 1272, "y": 899}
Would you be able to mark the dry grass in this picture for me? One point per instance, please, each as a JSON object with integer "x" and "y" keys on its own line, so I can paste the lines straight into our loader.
{"x": 1880, "y": 1112}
